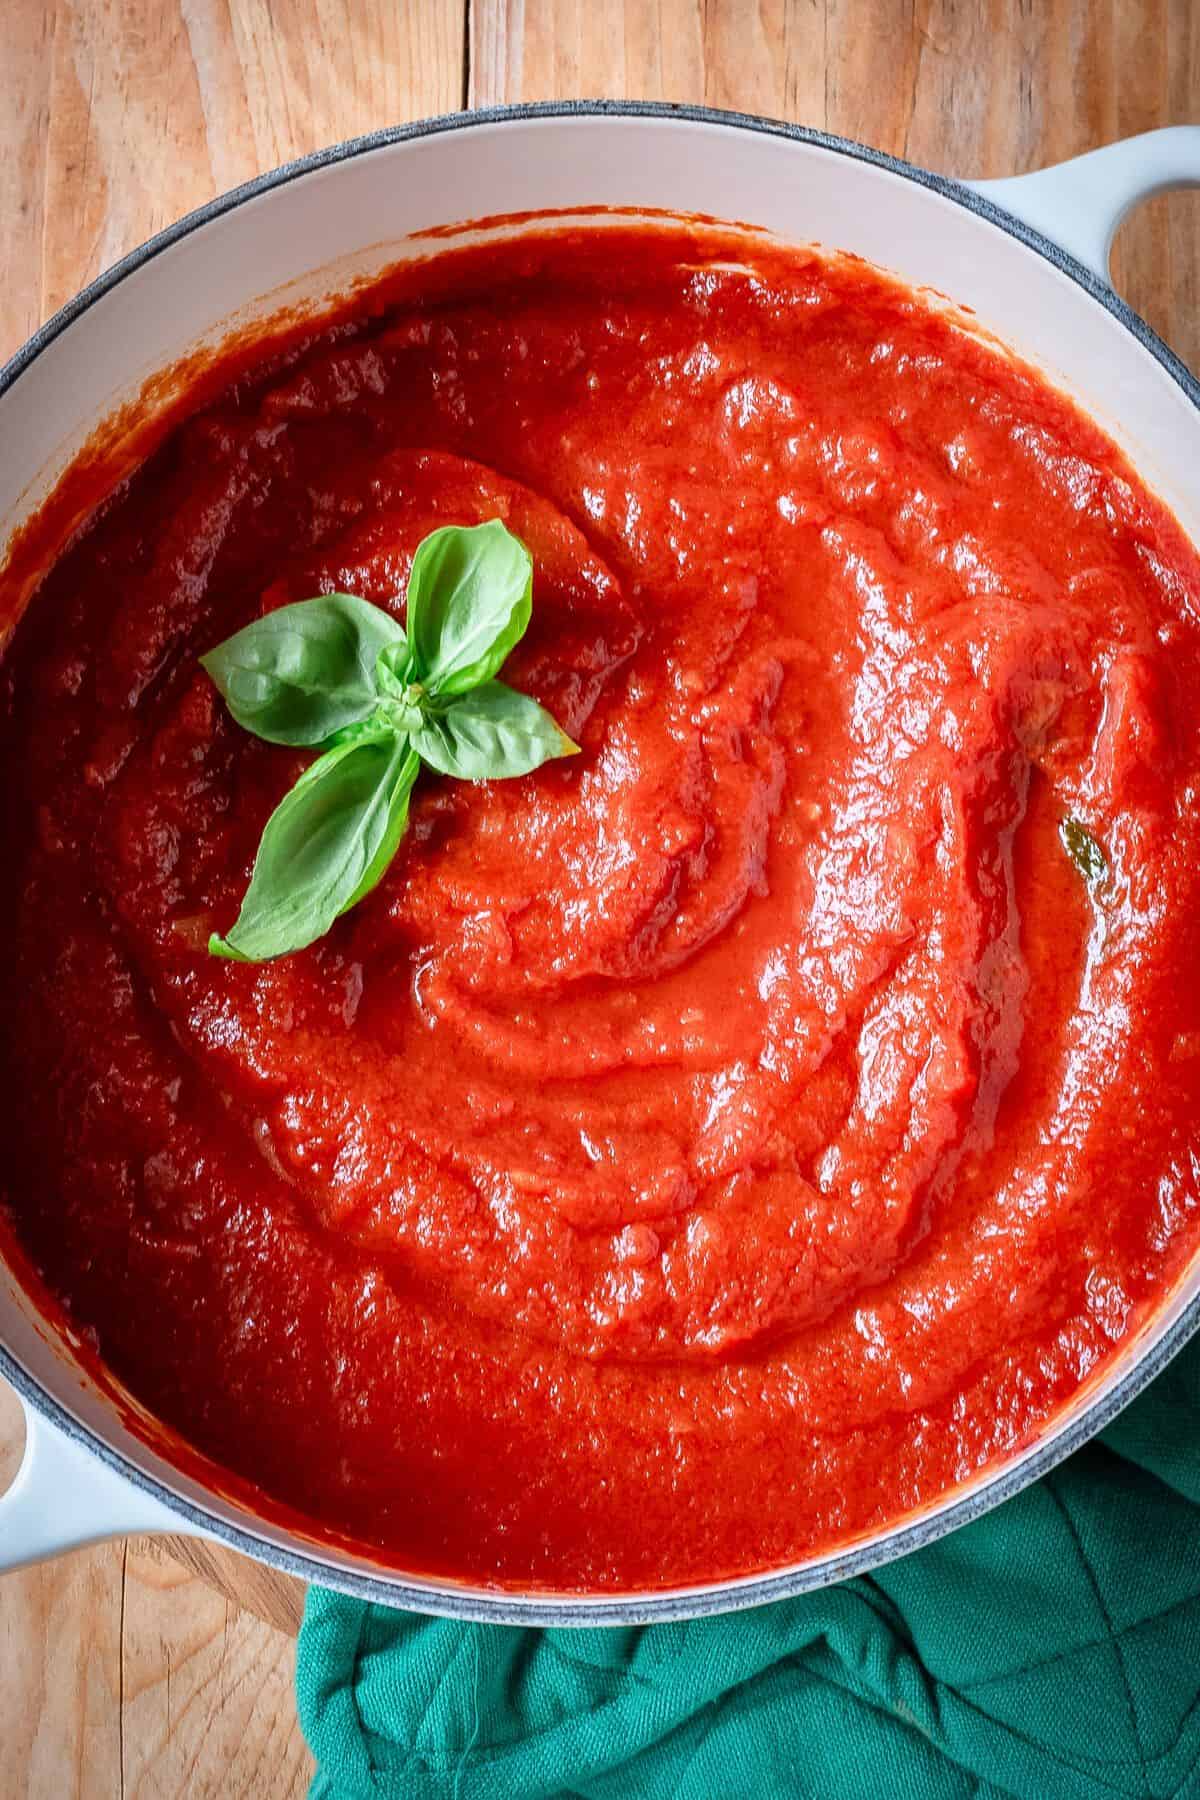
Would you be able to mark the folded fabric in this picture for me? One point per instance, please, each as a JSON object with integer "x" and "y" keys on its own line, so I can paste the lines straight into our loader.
{"x": 1050, "y": 1649}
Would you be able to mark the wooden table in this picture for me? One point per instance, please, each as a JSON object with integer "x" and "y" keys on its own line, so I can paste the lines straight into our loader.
{"x": 123, "y": 1671}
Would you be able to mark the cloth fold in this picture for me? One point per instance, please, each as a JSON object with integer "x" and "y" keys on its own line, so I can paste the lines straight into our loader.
{"x": 1052, "y": 1648}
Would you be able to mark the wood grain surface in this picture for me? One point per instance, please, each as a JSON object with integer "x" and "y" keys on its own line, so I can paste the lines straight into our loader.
{"x": 151, "y": 1670}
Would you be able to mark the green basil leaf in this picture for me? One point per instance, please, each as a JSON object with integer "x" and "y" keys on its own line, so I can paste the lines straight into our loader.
{"x": 489, "y": 733}
{"x": 394, "y": 671}
{"x": 402, "y": 699}
{"x": 301, "y": 673}
{"x": 364, "y": 731}
{"x": 1083, "y": 849}
{"x": 326, "y": 844}
{"x": 470, "y": 595}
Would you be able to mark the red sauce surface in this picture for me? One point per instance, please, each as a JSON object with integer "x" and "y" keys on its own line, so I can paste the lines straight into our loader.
{"x": 712, "y": 1146}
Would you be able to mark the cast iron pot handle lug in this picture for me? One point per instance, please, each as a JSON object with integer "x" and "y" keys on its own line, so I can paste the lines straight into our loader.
{"x": 1079, "y": 204}
{"x": 64, "y": 1497}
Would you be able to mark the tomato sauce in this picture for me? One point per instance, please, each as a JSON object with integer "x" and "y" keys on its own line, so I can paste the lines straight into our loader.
{"x": 710, "y": 1147}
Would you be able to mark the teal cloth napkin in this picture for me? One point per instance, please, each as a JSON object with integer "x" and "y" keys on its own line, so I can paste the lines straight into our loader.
{"x": 1050, "y": 1649}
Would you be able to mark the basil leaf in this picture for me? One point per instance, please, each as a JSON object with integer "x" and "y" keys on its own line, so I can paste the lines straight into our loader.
{"x": 1083, "y": 849}
{"x": 364, "y": 731}
{"x": 402, "y": 699}
{"x": 326, "y": 844}
{"x": 490, "y": 733}
{"x": 394, "y": 671}
{"x": 302, "y": 672}
{"x": 470, "y": 595}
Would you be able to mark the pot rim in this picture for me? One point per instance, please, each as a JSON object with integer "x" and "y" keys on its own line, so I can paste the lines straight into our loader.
{"x": 443, "y": 1596}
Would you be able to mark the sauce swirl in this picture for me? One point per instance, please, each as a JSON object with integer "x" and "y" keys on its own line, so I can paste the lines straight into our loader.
{"x": 701, "y": 1152}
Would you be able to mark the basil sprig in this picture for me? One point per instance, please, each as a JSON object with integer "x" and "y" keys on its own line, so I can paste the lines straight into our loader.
{"x": 340, "y": 673}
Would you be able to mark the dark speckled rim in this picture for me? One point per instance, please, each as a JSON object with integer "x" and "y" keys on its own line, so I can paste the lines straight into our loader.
{"x": 462, "y": 1602}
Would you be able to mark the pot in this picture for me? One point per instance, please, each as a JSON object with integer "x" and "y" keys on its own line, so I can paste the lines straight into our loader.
{"x": 1029, "y": 256}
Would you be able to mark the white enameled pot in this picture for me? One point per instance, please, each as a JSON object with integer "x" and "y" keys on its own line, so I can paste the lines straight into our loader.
{"x": 1029, "y": 255}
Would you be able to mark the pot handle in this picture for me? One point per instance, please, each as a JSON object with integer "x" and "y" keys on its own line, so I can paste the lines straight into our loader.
{"x": 63, "y": 1497}
{"x": 1079, "y": 204}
